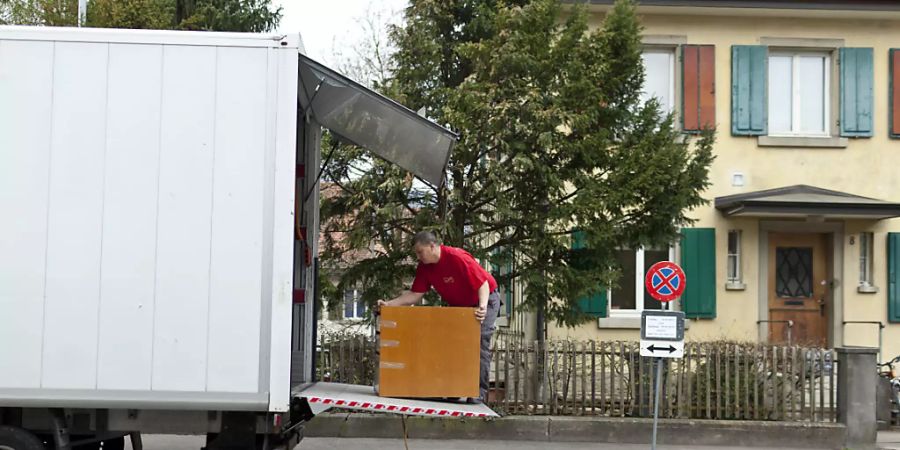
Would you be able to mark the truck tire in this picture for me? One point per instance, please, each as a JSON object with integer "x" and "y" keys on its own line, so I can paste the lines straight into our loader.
{"x": 15, "y": 438}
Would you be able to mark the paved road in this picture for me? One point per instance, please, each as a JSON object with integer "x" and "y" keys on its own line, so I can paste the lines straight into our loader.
{"x": 193, "y": 443}
{"x": 889, "y": 440}
{"x": 431, "y": 444}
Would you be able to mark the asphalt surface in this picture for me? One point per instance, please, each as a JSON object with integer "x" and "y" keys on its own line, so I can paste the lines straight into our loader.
{"x": 889, "y": 440}
{"x": 432, "y": 444}
{"x": 886, "y": 440}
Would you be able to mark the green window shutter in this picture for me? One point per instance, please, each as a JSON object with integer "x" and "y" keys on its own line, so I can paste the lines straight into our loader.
{"x": 698, "y": 259}
{"x": 594, "y": 305}
{"x": 894, "y": 105}
{"x": 893, "y": 254}
{"x": 749, "y": 67}
{"x": 857, "y": 77}
{"x": 578, "y": 240}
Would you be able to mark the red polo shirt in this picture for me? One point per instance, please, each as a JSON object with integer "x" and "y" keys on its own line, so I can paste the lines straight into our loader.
{"x": 456, "y": 277}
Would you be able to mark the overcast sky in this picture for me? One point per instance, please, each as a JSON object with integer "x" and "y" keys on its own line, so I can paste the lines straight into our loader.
{"x": 324, "y": 24}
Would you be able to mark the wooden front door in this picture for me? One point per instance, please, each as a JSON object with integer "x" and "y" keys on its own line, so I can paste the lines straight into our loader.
{"x": 798, "y": 290}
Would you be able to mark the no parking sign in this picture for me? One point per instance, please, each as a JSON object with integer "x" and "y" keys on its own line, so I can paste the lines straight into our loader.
{"x": 665, "y": 281}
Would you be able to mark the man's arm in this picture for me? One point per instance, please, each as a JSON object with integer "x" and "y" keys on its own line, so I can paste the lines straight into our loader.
{"x": 483, "y": 292}
{"x": 405, "y": 299}
{"x": 476, "y": 273}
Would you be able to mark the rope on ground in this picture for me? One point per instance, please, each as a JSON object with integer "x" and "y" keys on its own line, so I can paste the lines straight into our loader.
{"x": 403, "y": 421}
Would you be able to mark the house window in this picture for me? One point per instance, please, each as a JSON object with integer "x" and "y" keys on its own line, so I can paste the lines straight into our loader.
{"x": 865, "y": 260}
{"x": 508, "y": 295}
{"x": 354, "y": 307}
{"x": 629, "y": 296}
{"x": 659, "y": 77}
{"x": 793, "y": 272}
{"x": 734, "y": 258}
{"x": 506, "y": 287}
{"x": 799, "y": 83}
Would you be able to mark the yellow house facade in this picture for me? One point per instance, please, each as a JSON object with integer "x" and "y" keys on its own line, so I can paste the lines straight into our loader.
{"x": 796, "y": 244}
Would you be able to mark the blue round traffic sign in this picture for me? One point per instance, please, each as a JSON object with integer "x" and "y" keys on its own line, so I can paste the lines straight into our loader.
{"x": 665, "y": 281}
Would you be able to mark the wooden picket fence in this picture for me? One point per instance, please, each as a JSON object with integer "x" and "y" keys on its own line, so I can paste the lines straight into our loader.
{"x": 347, "y": 359}
{"x": 718, "y": 380}
{"x": 714, "y": 380}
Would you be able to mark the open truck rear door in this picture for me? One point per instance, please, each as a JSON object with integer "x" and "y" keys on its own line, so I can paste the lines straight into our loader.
{"x": 374, "y": 122}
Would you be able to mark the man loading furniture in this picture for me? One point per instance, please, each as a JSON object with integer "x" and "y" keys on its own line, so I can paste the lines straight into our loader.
{"x": 460, "y": 281}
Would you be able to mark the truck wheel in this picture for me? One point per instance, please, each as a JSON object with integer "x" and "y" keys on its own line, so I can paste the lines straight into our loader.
{"x": 15, "y": 438}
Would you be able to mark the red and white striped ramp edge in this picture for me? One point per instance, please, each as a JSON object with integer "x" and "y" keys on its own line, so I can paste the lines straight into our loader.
{"x": 324, "y": 396}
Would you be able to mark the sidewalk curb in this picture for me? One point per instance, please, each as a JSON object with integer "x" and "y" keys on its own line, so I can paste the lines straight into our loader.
{"x": 583, "y": 429}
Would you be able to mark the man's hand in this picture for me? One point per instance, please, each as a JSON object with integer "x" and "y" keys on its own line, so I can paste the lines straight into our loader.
{"x": 379, "y": 304}
{"x": 483, "y": 293}
{"x": 481, "y": 313}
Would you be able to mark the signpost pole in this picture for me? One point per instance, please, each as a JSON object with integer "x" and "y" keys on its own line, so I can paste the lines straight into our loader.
{"x": 656, "y": 402}
{"x": 665, "y": 282}
{"x": 658, "y": 392}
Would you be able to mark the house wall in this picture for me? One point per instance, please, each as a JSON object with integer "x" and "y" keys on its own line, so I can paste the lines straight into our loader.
{"x": 865, "y": 167}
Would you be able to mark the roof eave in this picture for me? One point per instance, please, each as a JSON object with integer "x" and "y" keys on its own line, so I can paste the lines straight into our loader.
{"x": 806, "y": 209}
{"x": 863, "y": 5}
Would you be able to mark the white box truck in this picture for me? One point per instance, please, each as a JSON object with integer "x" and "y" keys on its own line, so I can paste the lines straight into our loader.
{"x": 158, "y": 223}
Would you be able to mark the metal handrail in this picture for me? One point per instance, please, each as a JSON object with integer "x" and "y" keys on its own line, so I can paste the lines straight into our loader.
{"x": 790, "y": 327}
{"x": 870, "y": 322}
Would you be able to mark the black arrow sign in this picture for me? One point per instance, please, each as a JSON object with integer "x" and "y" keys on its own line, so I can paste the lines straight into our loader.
{"x": 654, "y": 348}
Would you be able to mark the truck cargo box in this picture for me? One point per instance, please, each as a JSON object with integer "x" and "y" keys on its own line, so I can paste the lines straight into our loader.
{"x": 147, "y": 193}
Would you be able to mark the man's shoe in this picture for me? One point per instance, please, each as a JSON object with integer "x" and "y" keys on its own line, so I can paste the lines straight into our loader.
{"x": 474, "y": 401}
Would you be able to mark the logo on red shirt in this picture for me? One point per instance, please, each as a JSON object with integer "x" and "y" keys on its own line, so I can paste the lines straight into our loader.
{"x": 448, "y": 280}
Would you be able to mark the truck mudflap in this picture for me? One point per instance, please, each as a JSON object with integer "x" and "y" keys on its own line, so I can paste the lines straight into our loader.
{"x": 324, "y": 396}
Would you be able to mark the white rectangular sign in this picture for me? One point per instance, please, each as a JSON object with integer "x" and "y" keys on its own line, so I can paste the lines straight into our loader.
{"x": 661, "y": 327}
{"x": 662, "y": 349}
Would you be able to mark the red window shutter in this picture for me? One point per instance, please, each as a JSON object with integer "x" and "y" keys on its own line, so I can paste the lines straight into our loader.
{"x": 707, "y": 86}
{"x": 698, "y": 87}
{"x": 690, "y": 77}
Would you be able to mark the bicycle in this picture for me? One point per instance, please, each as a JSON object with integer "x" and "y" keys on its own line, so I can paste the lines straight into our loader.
{"x": 889, "y": 381}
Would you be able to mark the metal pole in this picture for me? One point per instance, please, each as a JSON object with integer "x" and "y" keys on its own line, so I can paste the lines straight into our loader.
{"x": 790, "y": 327}
{"x": 656, "y": 402}
{"x": 82, "y": 12}
{"x": 790, "y": 331}
{"x": 657, "y": 394}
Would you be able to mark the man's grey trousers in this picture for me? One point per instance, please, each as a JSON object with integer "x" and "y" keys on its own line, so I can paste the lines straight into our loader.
{"x": 487, "y": 329}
